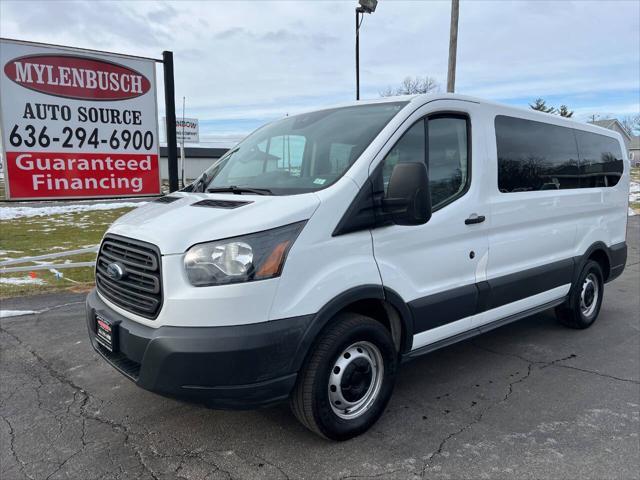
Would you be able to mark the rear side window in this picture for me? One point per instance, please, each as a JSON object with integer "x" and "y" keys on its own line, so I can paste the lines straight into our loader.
{"x": 535, "y": 156}
{"x": 600, "y": 160}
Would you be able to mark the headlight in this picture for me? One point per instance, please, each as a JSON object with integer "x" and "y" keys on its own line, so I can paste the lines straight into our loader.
{"x": 241, "y": 259}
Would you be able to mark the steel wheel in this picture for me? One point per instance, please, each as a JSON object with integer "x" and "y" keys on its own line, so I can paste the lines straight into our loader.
{"x": 355, "y": 380}
{"x": 589, "y": 295}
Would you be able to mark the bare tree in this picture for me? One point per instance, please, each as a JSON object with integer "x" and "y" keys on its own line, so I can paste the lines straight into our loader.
{"x": 412, "y": 86}
{"x": 631, "y": 123}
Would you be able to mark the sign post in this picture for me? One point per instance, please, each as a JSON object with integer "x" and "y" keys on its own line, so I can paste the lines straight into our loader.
{"x": 184, "y": 100}
{"x": 77, "y": 123}
{"x": 187, "y": 131}
{"x": 170, "y": 104}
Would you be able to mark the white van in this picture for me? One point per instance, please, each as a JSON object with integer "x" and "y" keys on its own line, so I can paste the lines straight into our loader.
{"x": 326, "y": 248}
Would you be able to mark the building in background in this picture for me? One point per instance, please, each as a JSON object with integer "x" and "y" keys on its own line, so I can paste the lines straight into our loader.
{"x": 196, "y": 161}
{"x": 616, "y": 126}
{"x": 634, "y": 151}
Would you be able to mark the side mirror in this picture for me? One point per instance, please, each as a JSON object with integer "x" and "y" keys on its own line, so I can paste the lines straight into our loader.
{"x": 408, "y": 199}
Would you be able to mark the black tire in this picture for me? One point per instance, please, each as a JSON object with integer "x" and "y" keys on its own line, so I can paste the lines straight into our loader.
{"x": 572, "y": 313}
{"x": 310, "y": 400}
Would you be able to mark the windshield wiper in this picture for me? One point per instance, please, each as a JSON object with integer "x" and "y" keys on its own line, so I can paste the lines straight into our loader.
{"x": 239, "y": 190}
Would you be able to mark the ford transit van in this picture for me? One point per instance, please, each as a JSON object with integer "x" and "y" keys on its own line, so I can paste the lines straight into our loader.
{"x": 327, "y": 248}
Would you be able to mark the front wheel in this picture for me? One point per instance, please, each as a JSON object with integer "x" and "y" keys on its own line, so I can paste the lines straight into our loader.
{"x": 348, "y": 378}
{"x": 583, "y": 304}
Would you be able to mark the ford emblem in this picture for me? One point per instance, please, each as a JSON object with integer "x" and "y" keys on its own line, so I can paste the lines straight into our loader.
{"x": 115, "y": 271}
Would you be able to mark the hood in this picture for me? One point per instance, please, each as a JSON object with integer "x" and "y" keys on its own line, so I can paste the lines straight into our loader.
{"x": 176, "y": 226}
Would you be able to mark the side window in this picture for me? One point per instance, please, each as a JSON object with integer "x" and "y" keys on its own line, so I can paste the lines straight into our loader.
{"x": 444, "y": 150}
{"x": 448, "y": 158}
{"x": 410, "y": 148}
{"x": 535, "y": 156}
{"x": 600, "y": 160}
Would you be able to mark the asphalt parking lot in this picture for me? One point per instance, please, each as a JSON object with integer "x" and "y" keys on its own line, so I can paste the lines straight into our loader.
{"x": 529, "y": 400}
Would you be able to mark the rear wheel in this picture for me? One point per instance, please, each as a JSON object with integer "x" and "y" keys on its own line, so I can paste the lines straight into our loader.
{"x": 348, "y": 378}
{"x": 583, "y": 305}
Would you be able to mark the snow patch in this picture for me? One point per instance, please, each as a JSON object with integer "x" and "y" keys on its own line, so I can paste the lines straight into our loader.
{"x": 15, "y": 313}
{"x": 22, "y": 281}
{"x": 11, "y": 213}
{"x": 4, "y": 252}
{"x": 634, "y": 192}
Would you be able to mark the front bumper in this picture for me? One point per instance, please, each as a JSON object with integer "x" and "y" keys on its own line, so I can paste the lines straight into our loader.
{"x": 243, "y": 366}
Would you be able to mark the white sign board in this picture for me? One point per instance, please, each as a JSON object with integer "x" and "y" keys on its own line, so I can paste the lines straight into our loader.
{"x": 77, "y": 123}
{"x": 187, "y": 130}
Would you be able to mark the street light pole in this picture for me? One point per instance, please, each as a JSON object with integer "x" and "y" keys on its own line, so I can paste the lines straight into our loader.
{"x": 366, "y": 6}
{"x": 453, "y": 46}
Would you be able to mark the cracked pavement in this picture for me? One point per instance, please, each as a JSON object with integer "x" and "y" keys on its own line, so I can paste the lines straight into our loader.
{"x": 529, "y": 400}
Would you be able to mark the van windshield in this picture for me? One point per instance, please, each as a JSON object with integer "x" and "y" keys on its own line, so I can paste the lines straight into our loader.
{"x": 301, "y": 153}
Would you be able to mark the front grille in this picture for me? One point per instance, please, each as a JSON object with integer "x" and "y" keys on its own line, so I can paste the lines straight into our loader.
{"x": 139, "y": 290}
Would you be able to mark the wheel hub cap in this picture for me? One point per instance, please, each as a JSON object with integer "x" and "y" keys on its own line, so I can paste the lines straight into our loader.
{"x": 589, "y": 295}
{"x": 355, "y": 380}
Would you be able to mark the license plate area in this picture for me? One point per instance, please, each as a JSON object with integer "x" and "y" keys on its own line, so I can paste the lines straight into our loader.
{"x": 107, "y": 333}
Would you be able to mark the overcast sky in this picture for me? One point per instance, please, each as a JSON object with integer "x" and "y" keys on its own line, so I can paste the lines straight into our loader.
{"x": 243, "y": 63}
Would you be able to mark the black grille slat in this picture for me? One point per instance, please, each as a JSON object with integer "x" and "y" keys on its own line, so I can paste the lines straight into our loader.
{"x": 145, "y": 301}
{"x": 140, "y": 289}
{"x": 129, "y": 251}
{"x": 141, "y": 260}
{"x": 130, "y": 304}
{"x": 131, "y": 272}
{"x": 228, "y": 204}
{"x": 144, "y": 259}
{"x": 127, "y": 292}
{"x": 117, "y": 258}
{"x": 145, "y": 282}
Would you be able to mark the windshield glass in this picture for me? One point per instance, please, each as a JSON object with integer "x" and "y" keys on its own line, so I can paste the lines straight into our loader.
{"x": 301, "y": 153}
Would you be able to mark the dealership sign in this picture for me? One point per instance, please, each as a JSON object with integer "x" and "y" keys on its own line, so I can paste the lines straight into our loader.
{"x": 77, "y": 123}
{"x": 187, "y": 130}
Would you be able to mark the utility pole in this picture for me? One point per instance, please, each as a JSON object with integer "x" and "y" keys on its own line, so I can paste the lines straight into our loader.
{"x": 365, "y": 6}
{"x": 453, "y": 46}
{"x": 358, "y": 10}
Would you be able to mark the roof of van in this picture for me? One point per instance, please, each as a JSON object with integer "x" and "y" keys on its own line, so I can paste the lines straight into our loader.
{"x": 518, "y": 111}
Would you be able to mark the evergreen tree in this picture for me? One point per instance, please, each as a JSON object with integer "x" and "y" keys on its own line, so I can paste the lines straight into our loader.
{"x": 541, "y": 106}
{"x": 565, "y": 112}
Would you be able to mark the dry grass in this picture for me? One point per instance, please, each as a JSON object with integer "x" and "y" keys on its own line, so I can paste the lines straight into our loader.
{"x": 23, "y": 237}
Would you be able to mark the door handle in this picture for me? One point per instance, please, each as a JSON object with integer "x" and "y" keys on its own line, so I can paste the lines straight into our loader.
{"x": 474, "y": 218}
